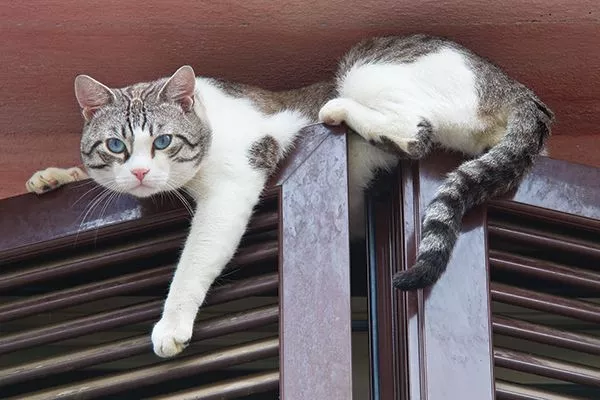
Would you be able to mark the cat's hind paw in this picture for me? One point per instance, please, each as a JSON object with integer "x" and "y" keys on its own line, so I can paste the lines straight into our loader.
{"x": 405, "y": 148}
{"x": 333, "y": 112}
{"x": 171, "y": 335}
{"x": 52, "y": 178}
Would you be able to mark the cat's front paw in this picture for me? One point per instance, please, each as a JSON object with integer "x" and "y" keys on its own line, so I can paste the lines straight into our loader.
{"x": 171, "y": 335}
{"x": 52, "y": 178}
{"x": 333, "y": 112}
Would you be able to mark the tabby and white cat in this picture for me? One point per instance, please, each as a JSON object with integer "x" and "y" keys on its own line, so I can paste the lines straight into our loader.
{"x": 220, "y": 141}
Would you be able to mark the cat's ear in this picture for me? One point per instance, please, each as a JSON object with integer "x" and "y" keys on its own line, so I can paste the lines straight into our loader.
{"x": 180, "y": 88}
{"x": 91, "y": 95}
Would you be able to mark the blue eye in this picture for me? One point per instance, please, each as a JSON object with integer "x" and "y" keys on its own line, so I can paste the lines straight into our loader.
{"x": 115, "y": 145}
{"x": 162, "y": 142}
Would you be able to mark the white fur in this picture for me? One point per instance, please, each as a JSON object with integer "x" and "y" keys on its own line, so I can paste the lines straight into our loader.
{"x": 226, "y": 188}
{"x": 391, "y": 99}
{"x": 374, "y": 100}
{"x": 52, "y": 178}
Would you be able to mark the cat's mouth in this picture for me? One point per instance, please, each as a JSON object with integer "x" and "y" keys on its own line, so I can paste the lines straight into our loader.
{"x": 143, "y": 190}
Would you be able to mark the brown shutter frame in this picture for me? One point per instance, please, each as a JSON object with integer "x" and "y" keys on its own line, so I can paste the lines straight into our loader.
{"x": 553, "y": 215}
{"x": 44, "y": 244}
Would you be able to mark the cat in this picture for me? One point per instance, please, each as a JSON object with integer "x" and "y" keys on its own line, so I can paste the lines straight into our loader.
{"x": 220, "y": 141}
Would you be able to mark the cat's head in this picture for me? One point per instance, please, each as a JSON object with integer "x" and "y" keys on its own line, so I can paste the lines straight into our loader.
{"x": 146, "y": 138}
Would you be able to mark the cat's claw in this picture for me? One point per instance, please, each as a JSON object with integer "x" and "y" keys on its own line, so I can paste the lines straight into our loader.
{"x": 171, "y": 335}
{"x": 333, "y": 112}
{"x": 52, "y": 178}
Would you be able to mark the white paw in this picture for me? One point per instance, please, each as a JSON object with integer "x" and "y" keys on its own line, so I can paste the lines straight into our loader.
{"x": 333, "y": 112}
{"x": 51, "y": 178}
{"x": 171, "y": 335}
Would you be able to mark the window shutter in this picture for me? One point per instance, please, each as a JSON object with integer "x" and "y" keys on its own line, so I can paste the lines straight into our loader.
{"x": 536, "y": 321}
{"x": 77, "y": 314}
{"x": 432, "y": 344}
{"x": 544, "y": 252}
{"x": 81, "y": 290}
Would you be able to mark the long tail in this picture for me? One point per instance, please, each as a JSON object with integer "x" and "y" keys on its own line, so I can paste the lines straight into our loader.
{"x": 490, "y": 175}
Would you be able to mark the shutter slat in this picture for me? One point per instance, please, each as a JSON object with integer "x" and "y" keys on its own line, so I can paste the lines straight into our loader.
{"x": 245, "y": 288}
{"x": 263, "y": 221}
{"x": 543, "y": 269}
{"x": 545, "y": 302}
{"x": 544, "y": 334}
{"x": 122, "y": 284}
{"x": 547, "y": 367}
{"x": 509, "y": 391}
{"x": 124, "y": 316}
{"x": 85, "y": 293}
{"x": 545, "y": 214}
{"x": 123, "y": 253}
{"x": 81, "y": 326}
{"x": 178, "y": 368}
{"x": 161, "y": 221}
{"x": 256, "y": 253}
{"x": 93, "y": 260}
{"x": 128, "y": 347}
{"x": 534, "y": 237}
{"x": 233, "y": 388}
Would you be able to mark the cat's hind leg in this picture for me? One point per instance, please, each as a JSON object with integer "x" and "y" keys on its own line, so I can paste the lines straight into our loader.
{"x": 401, "y": 132}
{"x": 416, "y": 149}
{"x": 52, "y": 178}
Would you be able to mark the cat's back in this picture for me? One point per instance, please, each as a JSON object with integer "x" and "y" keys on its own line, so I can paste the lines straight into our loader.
{"x": 417, "y": 74}
{"x": 391, "y": 49}
{"x": 458, "y": 92}
{"x": 239, "y": 122}
{"x": 414, "y": 67}
{"x": 408, "y": 49}
{"x": 438, "y": 60}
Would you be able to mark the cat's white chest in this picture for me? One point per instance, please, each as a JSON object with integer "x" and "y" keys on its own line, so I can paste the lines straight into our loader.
{"x": 236, "y": 124}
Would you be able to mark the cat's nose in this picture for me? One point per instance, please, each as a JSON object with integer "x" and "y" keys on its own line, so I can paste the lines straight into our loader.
{"x": 140, "y": 173}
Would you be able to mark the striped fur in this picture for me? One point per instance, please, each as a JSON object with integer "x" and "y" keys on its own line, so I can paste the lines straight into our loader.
{"x": 493, "y": 174}
{"x": 415, "y": 93}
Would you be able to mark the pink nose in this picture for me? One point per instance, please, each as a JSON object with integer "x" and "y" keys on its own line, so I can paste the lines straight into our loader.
{"x": 140, "y": 173}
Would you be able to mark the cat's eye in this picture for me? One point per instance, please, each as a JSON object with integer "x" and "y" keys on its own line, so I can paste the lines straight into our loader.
{"x": 162, "y": 142}
{"x": 115, "y": 145}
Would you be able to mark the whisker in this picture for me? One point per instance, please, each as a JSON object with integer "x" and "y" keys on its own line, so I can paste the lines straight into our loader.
{"x": 96, "y": 200}
{"x": 174, "y": 192}
{"x": 190, "y": 207}
{"x": 113, "y": 195}
{"x": 85, "y": 194}
{"x": 191, "y": 192}
{"x": 82, "y": 183}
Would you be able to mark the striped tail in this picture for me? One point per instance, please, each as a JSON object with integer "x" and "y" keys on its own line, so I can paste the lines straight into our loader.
{"x": 490, "y": 175}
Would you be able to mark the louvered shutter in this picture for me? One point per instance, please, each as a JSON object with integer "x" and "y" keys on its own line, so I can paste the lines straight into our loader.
{"x": 531, "y": 332}
{"x": 544, "y": 252}
{"x": 80, "y": 291}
